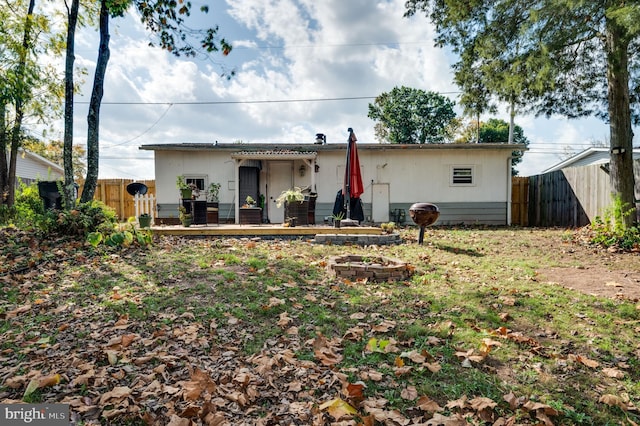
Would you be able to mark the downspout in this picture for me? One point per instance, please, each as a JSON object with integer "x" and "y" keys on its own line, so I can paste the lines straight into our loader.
{"x": 509, "y": 190}
{"x": 237, "y": 191}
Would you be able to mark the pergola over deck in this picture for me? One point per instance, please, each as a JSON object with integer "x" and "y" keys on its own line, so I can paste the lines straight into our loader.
{"x": 241, "y": 157}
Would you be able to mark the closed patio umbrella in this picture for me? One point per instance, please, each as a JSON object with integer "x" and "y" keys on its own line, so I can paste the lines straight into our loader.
{"x": 353, "y": 187}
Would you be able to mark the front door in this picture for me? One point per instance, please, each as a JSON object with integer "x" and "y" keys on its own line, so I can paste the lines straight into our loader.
{"x": 280, "y": 179}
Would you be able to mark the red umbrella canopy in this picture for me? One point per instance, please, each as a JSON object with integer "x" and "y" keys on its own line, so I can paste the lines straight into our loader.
{"x": 355, "y": 177}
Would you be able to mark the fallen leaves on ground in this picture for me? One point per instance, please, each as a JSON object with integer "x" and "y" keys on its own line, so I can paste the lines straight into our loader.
{"x": 174, "y": 369}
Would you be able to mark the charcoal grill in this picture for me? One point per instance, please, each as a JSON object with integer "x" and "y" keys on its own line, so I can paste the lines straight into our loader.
{"x": 423, "y": 215}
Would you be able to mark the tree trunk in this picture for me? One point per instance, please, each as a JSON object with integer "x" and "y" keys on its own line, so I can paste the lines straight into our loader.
{"x": 21, "y": 96}
{"x": 4, "y": 168}
{"x": 621, "y": 134}
{"x": 93, "y": 118}
{"x": 67, "y": 150}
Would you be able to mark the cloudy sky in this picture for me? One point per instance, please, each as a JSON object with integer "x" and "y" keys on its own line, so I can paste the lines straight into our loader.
{"x": 302, "y": 67}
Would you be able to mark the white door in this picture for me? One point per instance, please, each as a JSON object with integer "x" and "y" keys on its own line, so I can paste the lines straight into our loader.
{"x": 380, "y": 203}
{"x": 280, "y": 179}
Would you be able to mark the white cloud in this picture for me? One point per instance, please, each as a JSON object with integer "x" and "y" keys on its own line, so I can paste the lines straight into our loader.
{"x": 283, "y": 50}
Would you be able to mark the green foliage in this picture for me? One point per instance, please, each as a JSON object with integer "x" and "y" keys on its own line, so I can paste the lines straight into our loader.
{"x": 181, "y": 182}
{"x": 166, "y": 20}
{"x": 495, "y": 130}
{"x": 292, "y": 195}
{"x": 94, "y": 216}
{"x": 121, "y": 236}
{"x": 407, "y": 115}
{"x": 27, "y": 210}
{"x": 611, "y": 230}
{"x": 213, "y": 192}
{"x": 388, "y": 227}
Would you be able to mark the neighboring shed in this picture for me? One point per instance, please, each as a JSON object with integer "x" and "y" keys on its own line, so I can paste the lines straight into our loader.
{"x": 470, "y": 183}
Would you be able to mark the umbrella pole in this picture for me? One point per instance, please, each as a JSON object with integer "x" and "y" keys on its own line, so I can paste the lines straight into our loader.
{"x": 347, "y": 177}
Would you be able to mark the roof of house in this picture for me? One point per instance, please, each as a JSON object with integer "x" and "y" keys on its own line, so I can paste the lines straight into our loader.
{"x": 310, "y": 148}
{"x": 590, "y": 156}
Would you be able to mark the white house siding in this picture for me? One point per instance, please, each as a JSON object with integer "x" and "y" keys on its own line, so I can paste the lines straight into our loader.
{"x": 413, "y": 173}
{"x": 31, "y": 167}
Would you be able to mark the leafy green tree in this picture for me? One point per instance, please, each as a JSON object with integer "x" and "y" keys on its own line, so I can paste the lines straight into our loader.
{"x": 27, "y": 89}
{"x": 568, "y": 57}
{"x": 407, "y": 115}
{"x": 166, "y": 19}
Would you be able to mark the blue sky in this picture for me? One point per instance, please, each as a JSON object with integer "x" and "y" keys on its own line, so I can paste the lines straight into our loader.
{"x": 290, "y": 57}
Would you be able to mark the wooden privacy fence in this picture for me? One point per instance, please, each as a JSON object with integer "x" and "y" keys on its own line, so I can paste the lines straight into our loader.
{"x": 571, "y": 197}
{"x": 113, "y": 192}
{"x": 520, "y": 201}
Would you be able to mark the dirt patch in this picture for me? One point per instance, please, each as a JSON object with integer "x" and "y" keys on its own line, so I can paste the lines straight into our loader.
{"x": 597, "y": 272}
{"x": 596, "y": 281}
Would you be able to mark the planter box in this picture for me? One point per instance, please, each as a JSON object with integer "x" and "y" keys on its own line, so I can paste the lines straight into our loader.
{"x": 250, "y": 216}
{"x": 298, "y": 210}
{"x": 212, "y": 213}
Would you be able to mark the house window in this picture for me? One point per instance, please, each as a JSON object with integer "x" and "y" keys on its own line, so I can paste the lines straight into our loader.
{"x": 462, "y": 176}
{"x": 199, "y": 181}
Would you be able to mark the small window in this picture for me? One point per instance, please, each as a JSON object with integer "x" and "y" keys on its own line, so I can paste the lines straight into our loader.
{"x": 198, "y": 181}
{"x": 462, "y": 175}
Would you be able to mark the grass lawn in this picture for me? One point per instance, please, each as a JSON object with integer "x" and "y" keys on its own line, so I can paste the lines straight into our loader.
{"x": 260, "y": 332}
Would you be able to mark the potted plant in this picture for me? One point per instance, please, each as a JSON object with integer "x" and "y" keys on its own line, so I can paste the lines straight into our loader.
{"x": 249, "y": 201}
{"x": 337, "y": 218}
{"x": 290, "y": 196}
{"x": 144, "y": 220}
{"x": 185, "y": 218}
{"x": 185, "y": 189}
{"x": 213, "y": 192}
{"x": 213, "y": 202}
{"x": 291, "y": 222}
{"x": 294, "y": 206}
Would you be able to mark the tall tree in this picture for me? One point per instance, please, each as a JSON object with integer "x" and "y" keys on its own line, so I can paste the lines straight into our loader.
{"x": 575, "y": 58}
{"x": 166, "y": 19}
{"x": 407, "y": 115}
{"x": 93, "y": 117}
{"x": 67, "y": 149}
{"x": 16, "y": 91}
{"x": 28, "y": 90}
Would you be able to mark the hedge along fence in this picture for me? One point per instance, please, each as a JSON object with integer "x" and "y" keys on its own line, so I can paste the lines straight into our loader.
{"x": 113, "y": 192}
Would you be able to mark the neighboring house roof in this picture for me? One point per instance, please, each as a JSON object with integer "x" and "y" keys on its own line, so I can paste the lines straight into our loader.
{"x": 590, "y": 156}
{"x": 274, "y": 149}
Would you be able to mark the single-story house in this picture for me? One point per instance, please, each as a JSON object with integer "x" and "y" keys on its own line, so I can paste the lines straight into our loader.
{"x": 588, "y": 157}
{"x": 31, "y": 167}
{"x": 470, "y": 183}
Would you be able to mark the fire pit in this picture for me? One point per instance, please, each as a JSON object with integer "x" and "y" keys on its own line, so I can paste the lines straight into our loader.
{"x": 373, "y": 268}
{"x": 424, "y": 214}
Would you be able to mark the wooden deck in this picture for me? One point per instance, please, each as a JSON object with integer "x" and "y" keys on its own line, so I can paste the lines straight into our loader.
{"x": 264, "y": 229}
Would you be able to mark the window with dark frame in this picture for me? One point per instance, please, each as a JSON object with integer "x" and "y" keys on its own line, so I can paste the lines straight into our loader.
{"x": 199, "y": 182}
